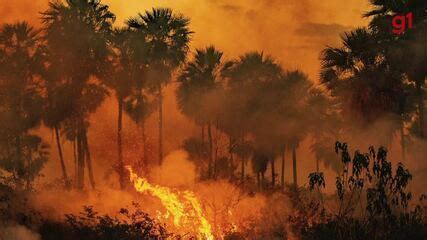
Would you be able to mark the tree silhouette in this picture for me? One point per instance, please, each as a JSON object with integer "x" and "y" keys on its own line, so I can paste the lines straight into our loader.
{"x": 127, "y": 81}
{"x": 297, "y": 87}
{"x": 121, "y": 79}
{"x": 244, "y": 78}
{"x": 367, "y": 85}
{"x": 404, "y": 52}
{"x": 168, "y": 37}
{"x": 76, "y": 36}
{"x": 196, "y": 94}
{"x": 21, "y": 102}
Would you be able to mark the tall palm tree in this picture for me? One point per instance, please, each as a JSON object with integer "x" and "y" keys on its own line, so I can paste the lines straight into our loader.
{"x": 55, "y": 112}
{"x": 297, "y": 87}
{"x": 76, "y": 37}
{"x": 168, "y": 36}
{"x": 199, "y": 84}
{"x": 127, "y": 79}
{"x": 121, "y": 79}
{"x": 21, "y": 100}
{"x": 324, "y": 127}
{"x": 260, "y": 161}
{"x": 406, "y": 51}
{"x": 139, "y": 105}
{"x": 245, "y": 78}
{"x": 365, "y": 82}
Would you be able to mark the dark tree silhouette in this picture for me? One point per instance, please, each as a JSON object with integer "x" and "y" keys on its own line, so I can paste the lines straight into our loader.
{"x": 196, "y": 94}
{"x": 365, "y": 82}
{"x": 244, "y": 78}
{"x": 76, "y": 36}
{"x": 404, "y": 52}
{"x": 168, "y": 37}
{"x": 21, "y": 102}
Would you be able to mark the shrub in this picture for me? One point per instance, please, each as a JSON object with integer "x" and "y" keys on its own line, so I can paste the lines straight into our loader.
{"x": 372, "y": 202}
{"x": 89, "y": 225}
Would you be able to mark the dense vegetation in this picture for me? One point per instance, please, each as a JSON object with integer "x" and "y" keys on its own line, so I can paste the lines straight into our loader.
{"x": 248, "y": 109}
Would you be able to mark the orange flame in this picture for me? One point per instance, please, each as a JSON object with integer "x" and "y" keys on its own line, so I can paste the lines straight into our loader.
{"x": 181, "y": 212}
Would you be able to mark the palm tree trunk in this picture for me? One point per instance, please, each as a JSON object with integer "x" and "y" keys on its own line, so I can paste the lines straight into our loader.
{"x": 317, "y": 165}
{"x": 29, "y": 169}
{"x": 294, "y": 164}
{"x": 160, "y": 96}
{"x": 215, "y": 163}
{"x": 144, "y": 145}
{"x": 273, "y": 173}
{"x": 61, "y": 158}
{"x": 262, "y": 180}
{"x": 242, "y": 171}
{"x": 402, "y": 140}
{"x": 119, "y": 144}
{"x": 282, "y": 175}
{"x": 210, "y": 150}
{"x": 80, "y": 160}
{"x": 75, "y": 160}
{"x": 18, "y": 151}
{"x": 230, "y": 150}
{"x": 88, "y": 160}
{"x": 419, "y": 84}
{"x": 203, "y": 132}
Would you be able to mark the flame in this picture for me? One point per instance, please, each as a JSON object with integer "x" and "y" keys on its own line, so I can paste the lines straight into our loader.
{"x": 234, "y": 227}
{"x": 182, "y": 212}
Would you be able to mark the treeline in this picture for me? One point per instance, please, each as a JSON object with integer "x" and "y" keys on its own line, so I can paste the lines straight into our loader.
{"x": 248, "y": 108}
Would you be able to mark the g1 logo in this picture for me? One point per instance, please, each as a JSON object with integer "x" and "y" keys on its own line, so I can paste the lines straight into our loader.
{"x": 402, "y": 22}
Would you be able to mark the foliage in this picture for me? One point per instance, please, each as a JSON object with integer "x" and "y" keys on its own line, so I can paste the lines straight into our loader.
{"x": 22, "y": 155}
{"x": 200, "y": 86}
{"x": 89, "y": 225}
{"x": 198, "y": 151}
{"x": 167, "y": 37}
{"x": 372, "y": 201}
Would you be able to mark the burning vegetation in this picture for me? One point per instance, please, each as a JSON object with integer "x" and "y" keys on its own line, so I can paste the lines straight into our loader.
{"x": 228, "y": 177}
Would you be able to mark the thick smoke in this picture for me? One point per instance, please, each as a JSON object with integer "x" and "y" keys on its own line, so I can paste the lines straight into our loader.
{"x": 18, "y": 233}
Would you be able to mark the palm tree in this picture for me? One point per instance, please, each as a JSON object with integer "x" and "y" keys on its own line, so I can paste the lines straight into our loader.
{"x": 54, "y": 113}
{"x": 199, "y": 85}
{"x": 21, "y": 100}
{"x": 260, "y": 161}
{"x": 404, "y": 52}
{"x": 246, "y": 78}
{"x": 128, "y": 81}
{"x": 280, "y": 107}
{"x": 76, "y": 37}
{"x": 168, "y": 37}
{"x": 121, "y": 78}
{"x": 324, "y": 125}
{"x": 365, "y": 81}
{"x": 298, "y": 87}
{"x": 139, "y": 105}
{"x": 243, "y": 150}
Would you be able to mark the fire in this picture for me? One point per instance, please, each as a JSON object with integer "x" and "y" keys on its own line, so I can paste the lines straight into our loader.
{"x": 182, "y": 211}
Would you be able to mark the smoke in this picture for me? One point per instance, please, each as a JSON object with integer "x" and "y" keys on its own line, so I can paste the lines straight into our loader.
{"x": 18, "y": 232}
{"x": 176, "y": 171}
{"x": 12, "y": 11}
{"x": 54, "y": 203}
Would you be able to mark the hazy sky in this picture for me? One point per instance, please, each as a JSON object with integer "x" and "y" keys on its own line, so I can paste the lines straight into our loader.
{"x": 292, "y": 31}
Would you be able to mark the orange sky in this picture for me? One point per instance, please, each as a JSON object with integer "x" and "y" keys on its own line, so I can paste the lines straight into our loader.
{"x": 292, "y": 31}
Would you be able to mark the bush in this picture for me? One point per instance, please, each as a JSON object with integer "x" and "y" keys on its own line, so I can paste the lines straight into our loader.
{"x": 89, "y": 225}
{"x": 372, "y": 202}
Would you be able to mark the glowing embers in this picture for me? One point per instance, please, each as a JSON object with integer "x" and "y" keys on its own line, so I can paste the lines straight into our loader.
{"x": 183, "y": 206}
